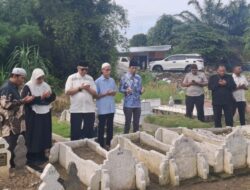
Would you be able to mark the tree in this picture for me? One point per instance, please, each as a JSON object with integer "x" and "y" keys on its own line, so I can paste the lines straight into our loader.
{"x": 66, "y": 32}
{"x": 82, "y": 30}
{"x": 138, "y": 40}
{"x": 211, "y": 14}
{"x": 162, "y": 32}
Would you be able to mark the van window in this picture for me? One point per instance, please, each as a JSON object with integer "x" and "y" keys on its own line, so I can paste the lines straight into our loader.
{"x": 124, "y": 60}
{"x": 193, "y": 57}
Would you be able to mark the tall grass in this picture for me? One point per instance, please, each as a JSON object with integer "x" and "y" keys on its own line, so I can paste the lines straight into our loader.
{"x": 29, "y": 58}
{"x": 160, "y": 90}
{"x": 156, "y": 89}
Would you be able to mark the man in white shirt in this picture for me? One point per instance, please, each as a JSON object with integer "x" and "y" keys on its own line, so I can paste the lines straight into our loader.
{"x": 239, "y": 94}
{"x": 82, "y": 89}
{"x": 195, "y": 82}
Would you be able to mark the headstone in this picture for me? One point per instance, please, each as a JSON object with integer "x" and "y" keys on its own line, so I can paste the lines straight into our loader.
{"x": 171, "y": 101}
{"x": 20, "y": 152}
{"x": 120, "y": 165}
{"x": 73, "y": 182}
{"x": 49, "y": 178}
{"x": 4, "y": 158}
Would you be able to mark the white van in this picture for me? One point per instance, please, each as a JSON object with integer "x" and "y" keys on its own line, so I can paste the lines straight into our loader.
{"x": 178, "y": 62}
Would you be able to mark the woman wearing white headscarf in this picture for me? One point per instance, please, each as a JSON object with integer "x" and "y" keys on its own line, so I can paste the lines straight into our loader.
{"x": 38, "y": 117}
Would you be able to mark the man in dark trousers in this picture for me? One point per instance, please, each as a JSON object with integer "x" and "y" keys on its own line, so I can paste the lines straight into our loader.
{"x": 11, "y": 110}
{"x": 195, "y": 82}
{"x": 222, "y": 86}
{"x": 239, "y": 93}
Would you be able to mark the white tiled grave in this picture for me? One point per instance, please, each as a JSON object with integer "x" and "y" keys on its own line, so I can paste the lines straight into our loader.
{"x": 119, "y": 118}
{"x": 213, "y": 154}
{"x": 181, "y": 109}
{"x": 118, "y": 171}
{"x": 236, "y": 151}
{"x": 170, "y": 162}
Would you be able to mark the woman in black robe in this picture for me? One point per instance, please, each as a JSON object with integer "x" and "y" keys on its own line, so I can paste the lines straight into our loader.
{"x": 38, "y": 117}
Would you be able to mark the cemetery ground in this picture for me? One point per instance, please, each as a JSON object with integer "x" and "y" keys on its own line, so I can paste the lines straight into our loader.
{"x": 155, "y": 88}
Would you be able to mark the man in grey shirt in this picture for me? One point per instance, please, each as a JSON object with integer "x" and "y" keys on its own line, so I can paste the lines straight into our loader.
{"x": 195, "y": 82}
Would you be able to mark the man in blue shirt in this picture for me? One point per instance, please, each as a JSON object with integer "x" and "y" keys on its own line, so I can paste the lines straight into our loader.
{"x": 106, "y": 90}
{"x": 131, "y": 87}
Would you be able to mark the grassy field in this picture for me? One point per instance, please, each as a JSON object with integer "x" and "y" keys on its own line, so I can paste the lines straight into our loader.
{"x": 60, "y": 128}
{"x": 176, "y": 121}
{"x": 63, "y": 128}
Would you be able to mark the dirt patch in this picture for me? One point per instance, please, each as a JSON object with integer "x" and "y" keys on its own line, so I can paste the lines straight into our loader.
{"x": 87, "y": 153}
{"x": 20, "y": 180}
{"x": 147, "y": 147}
{"x": 64, "y": 176}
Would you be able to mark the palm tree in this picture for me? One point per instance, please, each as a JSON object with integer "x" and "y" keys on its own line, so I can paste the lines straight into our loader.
{"x": 212, "y": 13}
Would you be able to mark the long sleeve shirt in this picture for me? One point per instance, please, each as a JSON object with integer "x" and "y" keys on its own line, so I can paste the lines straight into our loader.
{"x": 133, "y": 99}
{"x": 11, "y": 110}
{"x": 222, "y": 95}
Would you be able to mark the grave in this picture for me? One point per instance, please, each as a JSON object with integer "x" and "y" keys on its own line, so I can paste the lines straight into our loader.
{"x": 4, "y": 158}
{"x": 65, "y": 116}
{"x": 181, "y": 109}
{"x": 119, "y": 118}
{"x": 50, "y": 179}
{"x": 213, "y": 154}
{"x": 114, "y": 170}
{"x": 170, "y": 162}
{"x": 20, "y": 153}
{"x": 234, "y": 145}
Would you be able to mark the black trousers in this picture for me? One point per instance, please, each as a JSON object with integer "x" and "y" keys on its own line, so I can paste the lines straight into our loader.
{"x": 228, "y": 113}
{"x": 129, "y": 113}
{"x": 198, "y": 102}
{"x": 105, "y": 120}
{"x": 12, "y": 141}
{"x": 241, "y": 107}
{"x": 77, "y": 130}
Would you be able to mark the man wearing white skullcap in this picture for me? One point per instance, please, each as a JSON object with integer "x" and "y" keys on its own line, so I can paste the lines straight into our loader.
{"x": 106, "y": 90}
{"x": 11, "y": 112}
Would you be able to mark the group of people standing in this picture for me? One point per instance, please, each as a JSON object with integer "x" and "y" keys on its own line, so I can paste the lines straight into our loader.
{"x": 228, "y": 94}
{"x": 82, "y": 90}
{"x": 27, "y": 113}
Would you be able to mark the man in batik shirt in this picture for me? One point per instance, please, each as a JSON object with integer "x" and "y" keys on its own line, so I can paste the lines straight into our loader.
{"x": 11, "y": 110}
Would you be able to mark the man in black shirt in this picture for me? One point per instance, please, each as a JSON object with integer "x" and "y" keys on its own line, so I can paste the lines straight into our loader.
{"x": 11, "y": 111}
{"x": 222, "y": 86}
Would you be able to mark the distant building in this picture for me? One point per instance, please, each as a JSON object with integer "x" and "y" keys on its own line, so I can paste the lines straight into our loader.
{"x": 144, "y": 55}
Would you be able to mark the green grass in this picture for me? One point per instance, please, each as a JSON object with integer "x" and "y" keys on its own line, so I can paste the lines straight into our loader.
{"x": 60, "y": 128}
{"x": 63, "y": 128}
{"x": 176, "y": 121}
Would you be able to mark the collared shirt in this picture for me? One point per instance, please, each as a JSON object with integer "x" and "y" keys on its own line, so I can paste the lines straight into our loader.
{"x": 195, "y": 90}
{"x": 133, "y": 99}
{"x": 105, "y": 105}
{"x": 82, "y": 101}
{"x": 11, "y": 110}
{"x": 222, "y": 95}
{"x": 239, "y": 95}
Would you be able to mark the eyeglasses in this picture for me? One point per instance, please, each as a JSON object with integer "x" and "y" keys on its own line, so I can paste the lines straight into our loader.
{"x": 84, "y": 69}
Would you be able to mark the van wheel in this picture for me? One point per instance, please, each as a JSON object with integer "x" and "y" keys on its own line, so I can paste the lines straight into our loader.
{"x": 157, "y": 68}
{"x": 188, "y": 69}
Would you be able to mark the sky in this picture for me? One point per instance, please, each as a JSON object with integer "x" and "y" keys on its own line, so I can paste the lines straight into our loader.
{"x": 143, "y": 14}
